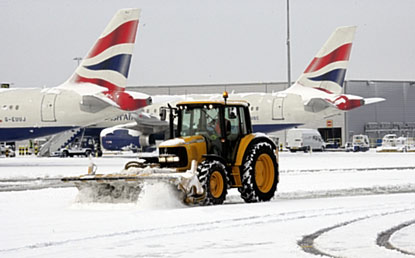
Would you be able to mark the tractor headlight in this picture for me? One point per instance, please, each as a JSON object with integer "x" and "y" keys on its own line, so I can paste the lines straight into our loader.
{"x": 162, "y": 159}
{"x": 169, "y": 158}
{"x": 173, "y": 159}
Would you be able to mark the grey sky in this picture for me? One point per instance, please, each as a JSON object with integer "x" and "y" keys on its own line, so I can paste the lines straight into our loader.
{"x": 198, "y": 41}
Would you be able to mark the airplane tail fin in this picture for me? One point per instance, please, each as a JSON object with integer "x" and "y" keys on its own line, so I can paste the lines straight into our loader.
{"x": 327, "y": 70}
{"x": 321, "y": 84}
{"x": 108, "y": 62}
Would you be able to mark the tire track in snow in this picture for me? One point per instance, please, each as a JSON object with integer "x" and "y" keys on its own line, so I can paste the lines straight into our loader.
{"x": 23, "y": 184}
{"x": 383, "y": 238}
{"x": 356, "y": 191}
{"x": 307, "y": 242}
{"x": 160, "y": 232}
{"x": 344, "y": 169}
{"x": 177, "y": 229}
{"x": 37, "y": 183}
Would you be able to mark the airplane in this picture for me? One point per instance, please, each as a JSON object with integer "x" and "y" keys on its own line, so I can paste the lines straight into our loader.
{"x": 315, "y": 95}
{"x": 95, "y": 91}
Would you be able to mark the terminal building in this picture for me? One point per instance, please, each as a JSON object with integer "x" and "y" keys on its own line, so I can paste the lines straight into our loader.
{"x": 395, "y": 115}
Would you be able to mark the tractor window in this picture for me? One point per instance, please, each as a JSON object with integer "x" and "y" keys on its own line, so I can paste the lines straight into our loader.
{"x": 189, "y": 116}
{"x": 232, "y": 123}
{"x": 244, "y": 129}
{"x": 200, "y": 120}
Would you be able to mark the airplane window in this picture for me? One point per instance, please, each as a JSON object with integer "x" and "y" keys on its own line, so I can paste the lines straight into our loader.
{"x": 17, "y": 107}
{"x": 4, "y": 107}
{"x": 11, "y": 107}
{"x": 155, "y": 110}
{"x": 257, "y": 108}
{"x": 252, "y": 108}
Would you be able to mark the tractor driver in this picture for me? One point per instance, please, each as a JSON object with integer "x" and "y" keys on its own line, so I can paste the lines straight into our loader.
{"x": 214, "y": 131}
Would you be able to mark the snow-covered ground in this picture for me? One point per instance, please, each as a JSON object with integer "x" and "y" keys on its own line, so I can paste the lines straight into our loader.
{"x": 330, "y": 204}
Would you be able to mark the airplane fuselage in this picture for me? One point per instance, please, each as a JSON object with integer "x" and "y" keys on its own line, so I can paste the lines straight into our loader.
{"x": 32, "y": 113}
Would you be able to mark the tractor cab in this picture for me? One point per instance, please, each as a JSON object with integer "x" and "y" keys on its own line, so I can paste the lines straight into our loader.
{"x": 221, "y": 125}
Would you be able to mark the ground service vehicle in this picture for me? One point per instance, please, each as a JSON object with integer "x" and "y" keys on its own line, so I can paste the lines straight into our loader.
{"x": 304, "y": 139}
{"x": 83, "y": 146}
{"x": 392, "y": 143}
{"x": 211, "y": 150}
{"x": 360, "y": 142}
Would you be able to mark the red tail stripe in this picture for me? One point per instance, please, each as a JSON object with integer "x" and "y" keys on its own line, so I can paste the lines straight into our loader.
{"x": 125, "y": 33}
{"x": 100, "y": 82}
{"x": 341, "y": 53}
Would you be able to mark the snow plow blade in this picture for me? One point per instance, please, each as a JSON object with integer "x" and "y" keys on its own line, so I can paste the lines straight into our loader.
{"x": 127, "y": 185}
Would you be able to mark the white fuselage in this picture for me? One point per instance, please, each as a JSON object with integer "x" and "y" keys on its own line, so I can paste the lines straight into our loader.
{"x": 32, "y": 113}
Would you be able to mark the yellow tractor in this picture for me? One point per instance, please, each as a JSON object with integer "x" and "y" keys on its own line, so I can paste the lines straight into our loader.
{"x": 211, "y": 148}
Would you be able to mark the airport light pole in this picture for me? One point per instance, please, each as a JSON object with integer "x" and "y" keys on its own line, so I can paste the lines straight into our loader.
{"x": 288, "y": 57}
{"x": 288, "y": 45}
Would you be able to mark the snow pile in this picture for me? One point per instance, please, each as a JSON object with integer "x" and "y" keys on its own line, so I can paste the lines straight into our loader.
{"x": 105, "y": 193}
{"x": 160, "y": 195}
{"x": 154, "y": 195}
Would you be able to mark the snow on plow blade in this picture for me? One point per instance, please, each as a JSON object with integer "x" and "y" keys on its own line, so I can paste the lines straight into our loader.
{"x": 127, "y": 185}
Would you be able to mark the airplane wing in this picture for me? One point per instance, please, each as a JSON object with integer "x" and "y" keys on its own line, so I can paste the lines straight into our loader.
{"x": 373, "y": 100}
{"x": 146, "y": 124}
{"x": 343, "y": 102}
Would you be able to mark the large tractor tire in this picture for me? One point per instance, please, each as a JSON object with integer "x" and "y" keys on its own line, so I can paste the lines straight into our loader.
{"x": 259, "y": 173}
{"x": 212, "y": 176}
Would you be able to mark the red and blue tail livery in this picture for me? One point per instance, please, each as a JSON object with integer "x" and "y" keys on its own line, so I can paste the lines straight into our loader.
{"x": 321, "y": 84}
{"x": 108, "y": 62}
{"x": 327, "y": 70}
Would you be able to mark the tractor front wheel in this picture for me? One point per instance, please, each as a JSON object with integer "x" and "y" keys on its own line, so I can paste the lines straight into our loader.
{"x": 212, "y": 177}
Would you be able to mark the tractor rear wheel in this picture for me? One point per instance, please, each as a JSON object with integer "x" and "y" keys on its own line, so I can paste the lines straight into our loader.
{"x": 212, "y": 177}
{"x": 259, "y": 173}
